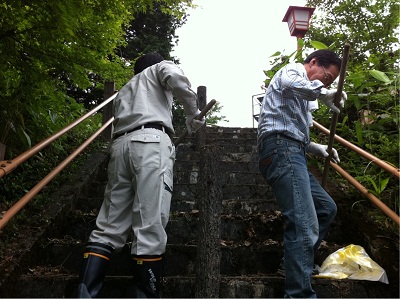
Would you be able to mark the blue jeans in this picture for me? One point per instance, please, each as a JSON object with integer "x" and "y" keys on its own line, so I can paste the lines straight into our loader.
{"x": 307, "y": 209}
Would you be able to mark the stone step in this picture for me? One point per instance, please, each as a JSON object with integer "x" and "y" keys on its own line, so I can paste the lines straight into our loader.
{"x": 242, "y": 193}
{"x": 183, "y": 227}
{"x": 257, "y": 286}
{"x": 190, "y": 151}
{"x": 240, "y": 175}
{"x": 250, "y": 245}
{"x": 242, "y": 258}
{"x": 189, "y": 192}
{"x": 249, "y": 206}
{"x": 235, "y": 207}
{"x": 246, "y": 257}
{"x": 89, "y": 204}
{"x": 219, "y": 131}
{"x": 224, "y": 166}
{"x": 184, "y": 200}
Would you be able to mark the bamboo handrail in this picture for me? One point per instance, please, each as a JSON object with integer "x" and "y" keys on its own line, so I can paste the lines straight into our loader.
{"x": 382, "y": 164}
{"x": 6, "y": 217}
{"x": 378, "y": 203}
{"x": 9, "y": 165}
{"x": 364, "y": 191}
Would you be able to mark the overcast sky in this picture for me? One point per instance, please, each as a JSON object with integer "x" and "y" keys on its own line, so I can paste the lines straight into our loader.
{"x": 225, "y": 45}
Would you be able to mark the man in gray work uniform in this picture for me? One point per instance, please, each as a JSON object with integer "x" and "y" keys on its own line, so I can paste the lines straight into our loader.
{"x": 140, "y": 176}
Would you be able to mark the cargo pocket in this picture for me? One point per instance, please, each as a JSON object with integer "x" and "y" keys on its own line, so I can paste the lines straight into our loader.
{"x": 166, "y": 198}
{"x": 145, "y": 150}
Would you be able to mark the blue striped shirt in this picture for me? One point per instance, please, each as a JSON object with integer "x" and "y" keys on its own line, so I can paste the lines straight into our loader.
{"x": 285, "y": 105}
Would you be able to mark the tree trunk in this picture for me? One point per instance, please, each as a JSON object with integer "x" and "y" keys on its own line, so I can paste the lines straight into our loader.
{"x": 109, "y": 90}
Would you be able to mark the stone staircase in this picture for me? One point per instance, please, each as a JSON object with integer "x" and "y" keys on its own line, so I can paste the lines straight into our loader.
{"x": 250, "y": 233}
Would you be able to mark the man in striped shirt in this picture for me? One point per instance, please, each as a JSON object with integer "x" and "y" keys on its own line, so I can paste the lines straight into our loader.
{"x": 283, "y": 140}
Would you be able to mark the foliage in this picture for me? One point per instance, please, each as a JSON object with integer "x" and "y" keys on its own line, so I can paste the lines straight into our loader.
{"x": 151, "y": 31}
{"x": 28, "y": 174}
{"x": 51, "y": 49}
{"x": 212, "y": 117}
{"x": 154, "y": 31}
{"x": 369, "y": 26}
{"x": 40, "y": 44}
{"x": 370, "y": 118}
{"x": 55, "y": 57}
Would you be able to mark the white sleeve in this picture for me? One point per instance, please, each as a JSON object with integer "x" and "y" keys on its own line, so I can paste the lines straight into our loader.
{"x": 173, "y": 79}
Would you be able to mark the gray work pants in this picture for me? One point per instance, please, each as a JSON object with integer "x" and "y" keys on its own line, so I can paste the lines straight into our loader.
{"x": 138, "y": 192}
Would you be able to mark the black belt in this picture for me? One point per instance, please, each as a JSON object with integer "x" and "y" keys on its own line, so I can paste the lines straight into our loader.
{"x": 146, "y": 126}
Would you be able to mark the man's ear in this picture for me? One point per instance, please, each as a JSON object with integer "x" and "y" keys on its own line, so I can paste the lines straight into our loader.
{"x": 313, "y": 61}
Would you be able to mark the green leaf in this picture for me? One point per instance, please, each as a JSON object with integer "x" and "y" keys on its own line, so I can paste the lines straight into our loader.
{"x": 374, "y": 185}
{"x": 27, "y": 138}
{"x": 359, "y": 132}
{"x": 53, "y": 116}
{"x": 381, "y": 76}
{"x": 318, "y": 45}
{"x": 345, "y": 119}
{"x": 357, "y": 103}
{"x": 300, "y": 42}
{"x": 383, "y": 184}
{"x": 269, "y": 73}
{"x": 277, "y": 53}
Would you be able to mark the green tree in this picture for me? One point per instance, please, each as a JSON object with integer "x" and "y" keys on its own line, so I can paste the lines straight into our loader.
{"x": 213, "y": 115}
{"x": 371, "y": 28}
{"x": 151, "y": 31}
{"x": 370, "y": 118}
{"x": 51, "y": 47}
{"x": 154, "y": 30}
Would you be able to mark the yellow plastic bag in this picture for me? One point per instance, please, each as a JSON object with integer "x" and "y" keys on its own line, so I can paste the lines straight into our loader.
{"x": 352, "y": 262}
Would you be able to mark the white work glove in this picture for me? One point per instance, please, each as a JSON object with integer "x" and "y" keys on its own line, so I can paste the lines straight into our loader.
{"x": 193, "y": 124}
{"x": 327, "y": 97}
{"x": 321, "y": 151}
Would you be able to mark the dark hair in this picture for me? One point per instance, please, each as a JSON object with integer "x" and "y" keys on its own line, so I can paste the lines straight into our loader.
{"x": 147, "y": 60}
{"x": 325, "y": 58}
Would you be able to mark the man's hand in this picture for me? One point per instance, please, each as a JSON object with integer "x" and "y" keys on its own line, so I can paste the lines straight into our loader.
{"x": 327, "y": 97}
{"x": 193, "y": 124}
{"x": 320, "y": 150}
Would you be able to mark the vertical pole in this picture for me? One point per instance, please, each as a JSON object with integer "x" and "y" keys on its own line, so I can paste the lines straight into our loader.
{"x": 207, "y": 280}
{"x": 2, "y": 151}
{"x": 343, "y": 67}
{"x": 297, "y": 43}
{"x": 109, "y": 90}
{"x": 202, "y": 96}
{"x": 299, "y": 36}
{"x": 202, "y": 102}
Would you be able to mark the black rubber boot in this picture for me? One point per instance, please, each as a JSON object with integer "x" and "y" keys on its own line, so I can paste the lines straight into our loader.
{"x": 147, "y": 272}
{"x": 95, "y": 262}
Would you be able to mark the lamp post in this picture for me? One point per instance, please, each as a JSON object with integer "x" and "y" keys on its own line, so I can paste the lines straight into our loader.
{"x": 298, "y": 19}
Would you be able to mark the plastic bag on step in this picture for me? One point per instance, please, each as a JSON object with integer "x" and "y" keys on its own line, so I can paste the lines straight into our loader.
{"x": 352, "y": 262}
